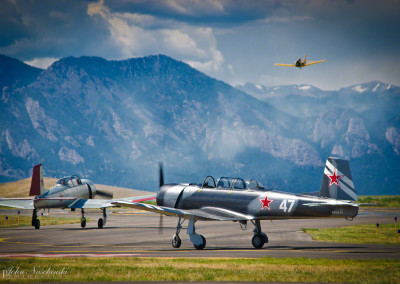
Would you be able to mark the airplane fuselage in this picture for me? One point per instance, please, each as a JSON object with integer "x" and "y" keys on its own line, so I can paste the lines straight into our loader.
{"x": 255, "y": 203}
{"x": 62, "y": 196}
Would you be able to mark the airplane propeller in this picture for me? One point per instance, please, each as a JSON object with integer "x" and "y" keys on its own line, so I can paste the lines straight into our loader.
{"x": 161, "y": 178}
{"x": 161, "y": 174}
{"x": 104, "y": 194}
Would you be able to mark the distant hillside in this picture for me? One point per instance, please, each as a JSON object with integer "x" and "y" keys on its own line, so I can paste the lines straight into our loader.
{"x": 21, "y": 189}
{"x": 114, "y": 121}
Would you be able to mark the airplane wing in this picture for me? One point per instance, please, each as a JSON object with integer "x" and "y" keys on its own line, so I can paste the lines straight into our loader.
{"x": 314, "y": 62}
{"x": 287, "y": 65}
{"x": 100, "y": 203}
{"x": 205, "y": 213}
{"x": 76, "y": 203}
{"x": 21, "y": 203}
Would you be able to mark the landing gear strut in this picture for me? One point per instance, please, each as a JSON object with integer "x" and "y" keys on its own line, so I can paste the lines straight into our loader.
{"x": 102, "y": 221}
{"x": 176, "y": 240}
{"x": 35, "y": 220}
{"x": 83, "y": 219}
{"x": 198, "y": 241}
{"x": 259, "y": 238}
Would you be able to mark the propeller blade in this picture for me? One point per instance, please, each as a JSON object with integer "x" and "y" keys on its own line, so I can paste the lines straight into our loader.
{"x": 161, "y": 175}
{"x": 104, "y": 194}
{"x": 161, "y": 225}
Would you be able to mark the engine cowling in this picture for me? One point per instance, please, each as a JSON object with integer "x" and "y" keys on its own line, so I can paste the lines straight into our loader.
{"x": 91, "y": 188}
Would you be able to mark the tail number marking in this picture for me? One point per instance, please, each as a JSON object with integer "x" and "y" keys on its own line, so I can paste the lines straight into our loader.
{"x": 284, "y": 204}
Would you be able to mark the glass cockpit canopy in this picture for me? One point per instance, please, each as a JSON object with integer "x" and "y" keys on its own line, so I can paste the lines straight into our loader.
{"x": 73, "y": 180}
{"x": 232, "y": 183}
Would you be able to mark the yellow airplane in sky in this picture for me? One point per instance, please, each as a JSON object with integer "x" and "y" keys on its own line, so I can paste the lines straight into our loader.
{"x": 300, "y": 63}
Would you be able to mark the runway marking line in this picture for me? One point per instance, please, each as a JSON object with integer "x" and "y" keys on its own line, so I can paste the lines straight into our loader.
{"x": 44, "y": 255}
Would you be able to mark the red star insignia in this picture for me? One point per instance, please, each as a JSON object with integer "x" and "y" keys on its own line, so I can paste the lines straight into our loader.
{"x": 265, "y": 203}
{"x": 334, "y": 178}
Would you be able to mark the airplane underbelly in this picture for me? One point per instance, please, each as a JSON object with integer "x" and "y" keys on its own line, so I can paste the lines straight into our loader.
{"x": 43, "y": 203}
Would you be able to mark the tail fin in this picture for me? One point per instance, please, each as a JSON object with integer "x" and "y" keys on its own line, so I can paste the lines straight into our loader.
{"x": 37, "y": 184}
{"x": 305, "y": 59}
{"x": 337, "y": 181}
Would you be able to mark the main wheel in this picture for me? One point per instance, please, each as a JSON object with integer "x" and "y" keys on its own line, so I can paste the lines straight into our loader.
{"x": 176, "y": 241}
{"x": 203, "y": 245}
{"x": 34, "y": 221}
{"x": 83, "y": 222}
{"x": 37, "y": 224}
{"x": 258, "y": 241}
{"x": 100, "y": 223}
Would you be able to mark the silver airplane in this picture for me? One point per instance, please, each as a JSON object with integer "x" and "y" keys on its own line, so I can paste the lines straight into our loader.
{"x": 243, "y": 201}
{"x": 69, "y": 193}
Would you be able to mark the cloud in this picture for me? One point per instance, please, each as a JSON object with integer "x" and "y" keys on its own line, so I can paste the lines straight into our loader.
{"x": 196, "y": 7}
{"x": 42, "y": 63}
{"x": 139, "y": 34}
{"x": 285, "y": 20}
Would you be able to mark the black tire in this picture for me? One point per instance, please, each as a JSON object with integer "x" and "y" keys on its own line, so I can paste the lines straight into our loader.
{"x": 176, "y": 241}
{"x": 203, "y": 245}
{"x": 34, "y": 221}
{"x": 258, "y": 241}
{"x": 100, "y": 223}
{"x": 83, "y": 222}
{"x": 37, "y": 224}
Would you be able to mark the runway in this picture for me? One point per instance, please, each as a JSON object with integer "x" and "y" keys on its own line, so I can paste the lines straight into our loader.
{"x": 136, "y": 234}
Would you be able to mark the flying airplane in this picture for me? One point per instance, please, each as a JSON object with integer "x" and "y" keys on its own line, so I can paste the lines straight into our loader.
{"x": 300, "y": 63}
{"x": 243, "y": 201}
{"x": 69, "y": 192}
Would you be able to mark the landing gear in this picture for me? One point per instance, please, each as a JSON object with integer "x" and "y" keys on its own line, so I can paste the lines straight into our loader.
{"x": 198, "y": 241}
{"x": 37, "y": 224}
{"x": 34, "y": 218}
{"x": 202, "y": 245}
{"x": 102, "y": 221}
{"x": 257, "y": 241}
{"x": 259, "y": 238}
{"x": 176, "y": 241}
{"x": 83, "y": 219}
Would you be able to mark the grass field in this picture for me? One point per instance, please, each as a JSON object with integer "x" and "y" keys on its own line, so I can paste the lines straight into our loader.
{"x": 214, "y": 269}
{"x": 44, "y": 221}
{"x": 390, "y": 201}
{"x": 360, "y": 234}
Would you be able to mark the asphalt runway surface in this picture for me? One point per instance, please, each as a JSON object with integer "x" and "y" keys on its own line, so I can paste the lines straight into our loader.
{"x": 134, "y": 233}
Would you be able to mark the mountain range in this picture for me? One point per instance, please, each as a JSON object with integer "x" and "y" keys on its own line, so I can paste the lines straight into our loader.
{"x": 114, "y": 121}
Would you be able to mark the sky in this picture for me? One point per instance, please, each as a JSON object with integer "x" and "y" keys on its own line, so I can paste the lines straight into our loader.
{"x": 235, "y": 41}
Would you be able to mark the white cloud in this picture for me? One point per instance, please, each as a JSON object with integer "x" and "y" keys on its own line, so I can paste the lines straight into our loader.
{"x": 196, "y": 7}
{"x": 42, "y": 62}
{"x": 138, "y": 34}
{"x": 284, "y": 20}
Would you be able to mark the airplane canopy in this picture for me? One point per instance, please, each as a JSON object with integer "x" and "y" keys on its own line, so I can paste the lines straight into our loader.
{"x": 73, "y": 180}
{"x": 232, "y": 183}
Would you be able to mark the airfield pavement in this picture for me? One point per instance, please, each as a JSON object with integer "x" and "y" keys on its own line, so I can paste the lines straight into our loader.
{"x": 136, "y": 233}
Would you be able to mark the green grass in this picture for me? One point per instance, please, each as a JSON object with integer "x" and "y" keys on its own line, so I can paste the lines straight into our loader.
{"x": 44, "y": 221}
{"x": 383, "y": 200}
{"x": 205, "y": 269}
{"x": 360, "y": 234}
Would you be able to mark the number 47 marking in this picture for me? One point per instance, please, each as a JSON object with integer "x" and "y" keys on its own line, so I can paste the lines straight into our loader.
{"x": 283, "y": 205}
